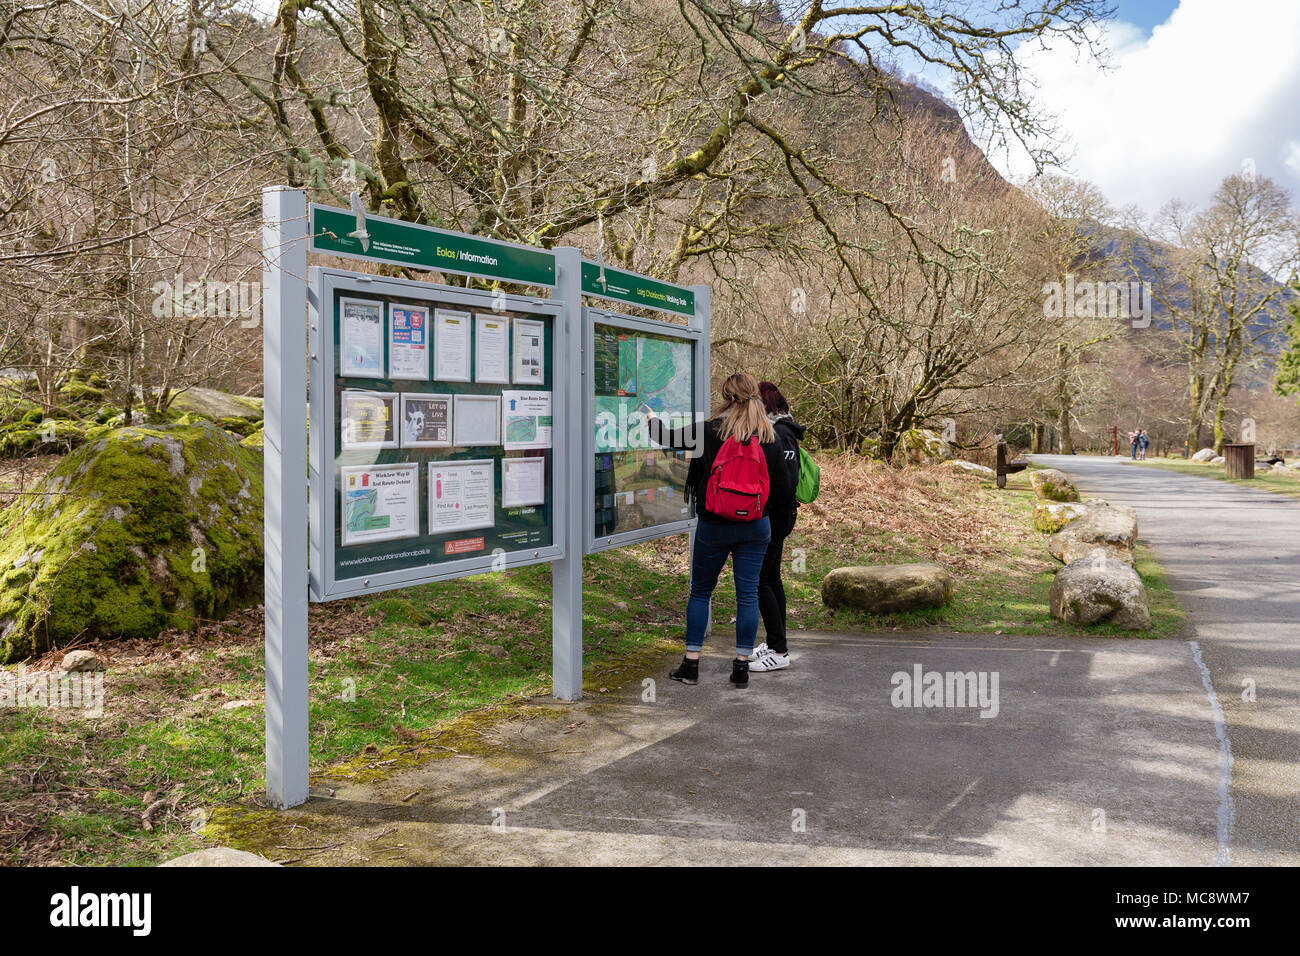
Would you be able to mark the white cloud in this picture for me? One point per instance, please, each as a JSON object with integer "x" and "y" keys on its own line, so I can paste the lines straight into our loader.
{"x": 1214, "y": 87}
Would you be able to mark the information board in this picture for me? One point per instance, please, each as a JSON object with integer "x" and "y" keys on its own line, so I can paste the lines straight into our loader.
{"x": 639, "y": 367}
{"x": 434, "y": 461}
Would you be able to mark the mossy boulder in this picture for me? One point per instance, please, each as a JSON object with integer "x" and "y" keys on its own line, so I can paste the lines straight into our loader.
{"x": 1051, "y": 516}
{"x": 888, "y": 588}
{"x": 44, "y": 436}
{"x": 143, "y": 529}
{"x": 256, "y": 440}
{"x": 1052, "y": 485}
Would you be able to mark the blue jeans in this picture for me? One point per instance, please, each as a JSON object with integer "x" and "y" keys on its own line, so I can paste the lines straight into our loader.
{"x": 746, "y": 542}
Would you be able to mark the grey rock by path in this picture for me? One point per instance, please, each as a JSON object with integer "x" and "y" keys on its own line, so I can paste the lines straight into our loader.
{"x": 220, "y": 856}
{"x": 1051, "y": 516}
{"x": 1205, "y": 454}
{"x": 971, "y": 468}
{"x": 1052, "y": 485}
{"x": 1110, "y": 528}
{"x": 1217, "y": 460}
{"x": 1096, "y": 589}
{"x": 888, "y": 588}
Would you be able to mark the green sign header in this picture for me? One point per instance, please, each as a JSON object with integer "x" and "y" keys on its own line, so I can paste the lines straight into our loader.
{"x": 636, "y": 289}
{"x": 337, "y": 232}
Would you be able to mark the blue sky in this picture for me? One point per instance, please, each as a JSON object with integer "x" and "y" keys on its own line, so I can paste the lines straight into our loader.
{"x": 1144, "y": 14}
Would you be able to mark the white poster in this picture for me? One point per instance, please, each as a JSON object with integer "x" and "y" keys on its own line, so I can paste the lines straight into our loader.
{"x": 451, "y": 346}
{"x": 361, "y": 338}
{"x": 408, "y": 342}
{"x": 492, "y": 349}
{"x": 525, "y": 420}
{"x": 461, "y": 495}
{"x": 530, "y": 354}
{"x": 523, "y": 482}
{"x": 380, "y": 502}
{"x": 426, "y": 420}
{"x": 476, "y": 420}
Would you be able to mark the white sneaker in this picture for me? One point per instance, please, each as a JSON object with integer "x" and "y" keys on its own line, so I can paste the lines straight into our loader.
{"x": 760, "y": 652}
{"x": 771, "y": 661}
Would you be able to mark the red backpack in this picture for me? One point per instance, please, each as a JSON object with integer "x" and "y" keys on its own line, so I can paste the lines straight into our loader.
{"x": 738, "y": 484}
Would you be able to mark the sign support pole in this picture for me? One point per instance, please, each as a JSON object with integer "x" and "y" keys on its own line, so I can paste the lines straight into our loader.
{"x": 569, "y": 372}
{"x": 284, "y": 363}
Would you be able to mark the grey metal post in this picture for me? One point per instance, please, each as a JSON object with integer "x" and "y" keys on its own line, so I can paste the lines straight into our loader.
{"x": 703, "y": 390}
{"x": 570, "y": 371}
{"x": 284, "y": 371}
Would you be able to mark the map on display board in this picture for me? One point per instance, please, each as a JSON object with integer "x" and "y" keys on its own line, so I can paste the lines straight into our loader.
{"x": 638, "y": 484}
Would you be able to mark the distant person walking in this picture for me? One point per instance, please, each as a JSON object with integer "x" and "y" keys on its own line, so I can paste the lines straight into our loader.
{"x": 1142, "y": 441}
{"x": 736, "y": 473}
{"x": 774, "y": 653}
{"x": 1133, "y": 444}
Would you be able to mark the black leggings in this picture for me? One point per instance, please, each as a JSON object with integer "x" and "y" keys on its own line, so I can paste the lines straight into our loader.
{"x": 771, "y": 592}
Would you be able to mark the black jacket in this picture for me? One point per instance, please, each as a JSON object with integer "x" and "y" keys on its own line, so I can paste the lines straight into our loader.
{"x": 788, "y": 437}
{"x": 780, "y": 488}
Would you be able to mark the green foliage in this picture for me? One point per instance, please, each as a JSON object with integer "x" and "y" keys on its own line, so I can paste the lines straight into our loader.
{"x": 1287, "y": 380}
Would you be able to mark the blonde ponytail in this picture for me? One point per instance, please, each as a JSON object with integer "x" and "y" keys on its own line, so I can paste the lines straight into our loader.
{"x": 742, "y": 412}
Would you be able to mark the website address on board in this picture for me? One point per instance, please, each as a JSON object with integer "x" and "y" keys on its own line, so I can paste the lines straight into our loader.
{"x": 370, "y": 558}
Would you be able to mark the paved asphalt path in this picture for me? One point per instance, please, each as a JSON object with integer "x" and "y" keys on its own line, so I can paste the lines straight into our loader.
{"x": 1232, "y": 554}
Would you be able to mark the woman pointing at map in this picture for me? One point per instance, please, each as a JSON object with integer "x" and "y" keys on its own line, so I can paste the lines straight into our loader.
{"x": 736, "y": 469}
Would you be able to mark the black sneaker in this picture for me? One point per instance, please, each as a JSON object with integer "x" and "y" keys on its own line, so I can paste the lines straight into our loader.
{"x": 688, "y": 671}
{"x": 740, "y": 673}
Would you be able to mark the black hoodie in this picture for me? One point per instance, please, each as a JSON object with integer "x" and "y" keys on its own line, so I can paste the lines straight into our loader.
{"x": 788, "y": 436}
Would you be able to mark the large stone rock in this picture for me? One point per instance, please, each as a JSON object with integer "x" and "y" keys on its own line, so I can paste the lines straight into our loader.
{"x": 1095, "y": 589}
{"x": 81, "y": 661}
{"x": 1052, "y": 485}
{"x": 1217, "y": 460}
{"x": 888, "y": 588}
{"x": 971, "y": 468}
{"x": 220, "y": 856}
{"x": 1110, "y": 528}
{"x": 215, "y": 404}
{"x": 145, "y": 529}
{"x": 921, "y": 445}
{"x": 1051, "y": 516}
{"x": 1205, "y": 454}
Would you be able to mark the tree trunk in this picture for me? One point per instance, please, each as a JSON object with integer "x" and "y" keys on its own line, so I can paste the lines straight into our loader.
{"x": 1067, "y": 437}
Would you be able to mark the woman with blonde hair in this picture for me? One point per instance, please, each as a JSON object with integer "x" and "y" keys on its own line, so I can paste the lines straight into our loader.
{"x": 736, "y": 469}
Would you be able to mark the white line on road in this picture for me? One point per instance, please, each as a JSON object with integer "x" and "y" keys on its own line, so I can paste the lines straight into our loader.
{"x": 1223, "y": 857}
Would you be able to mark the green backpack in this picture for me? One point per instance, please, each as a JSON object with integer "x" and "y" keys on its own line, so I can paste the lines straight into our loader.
{"x": 810, "y": 478}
